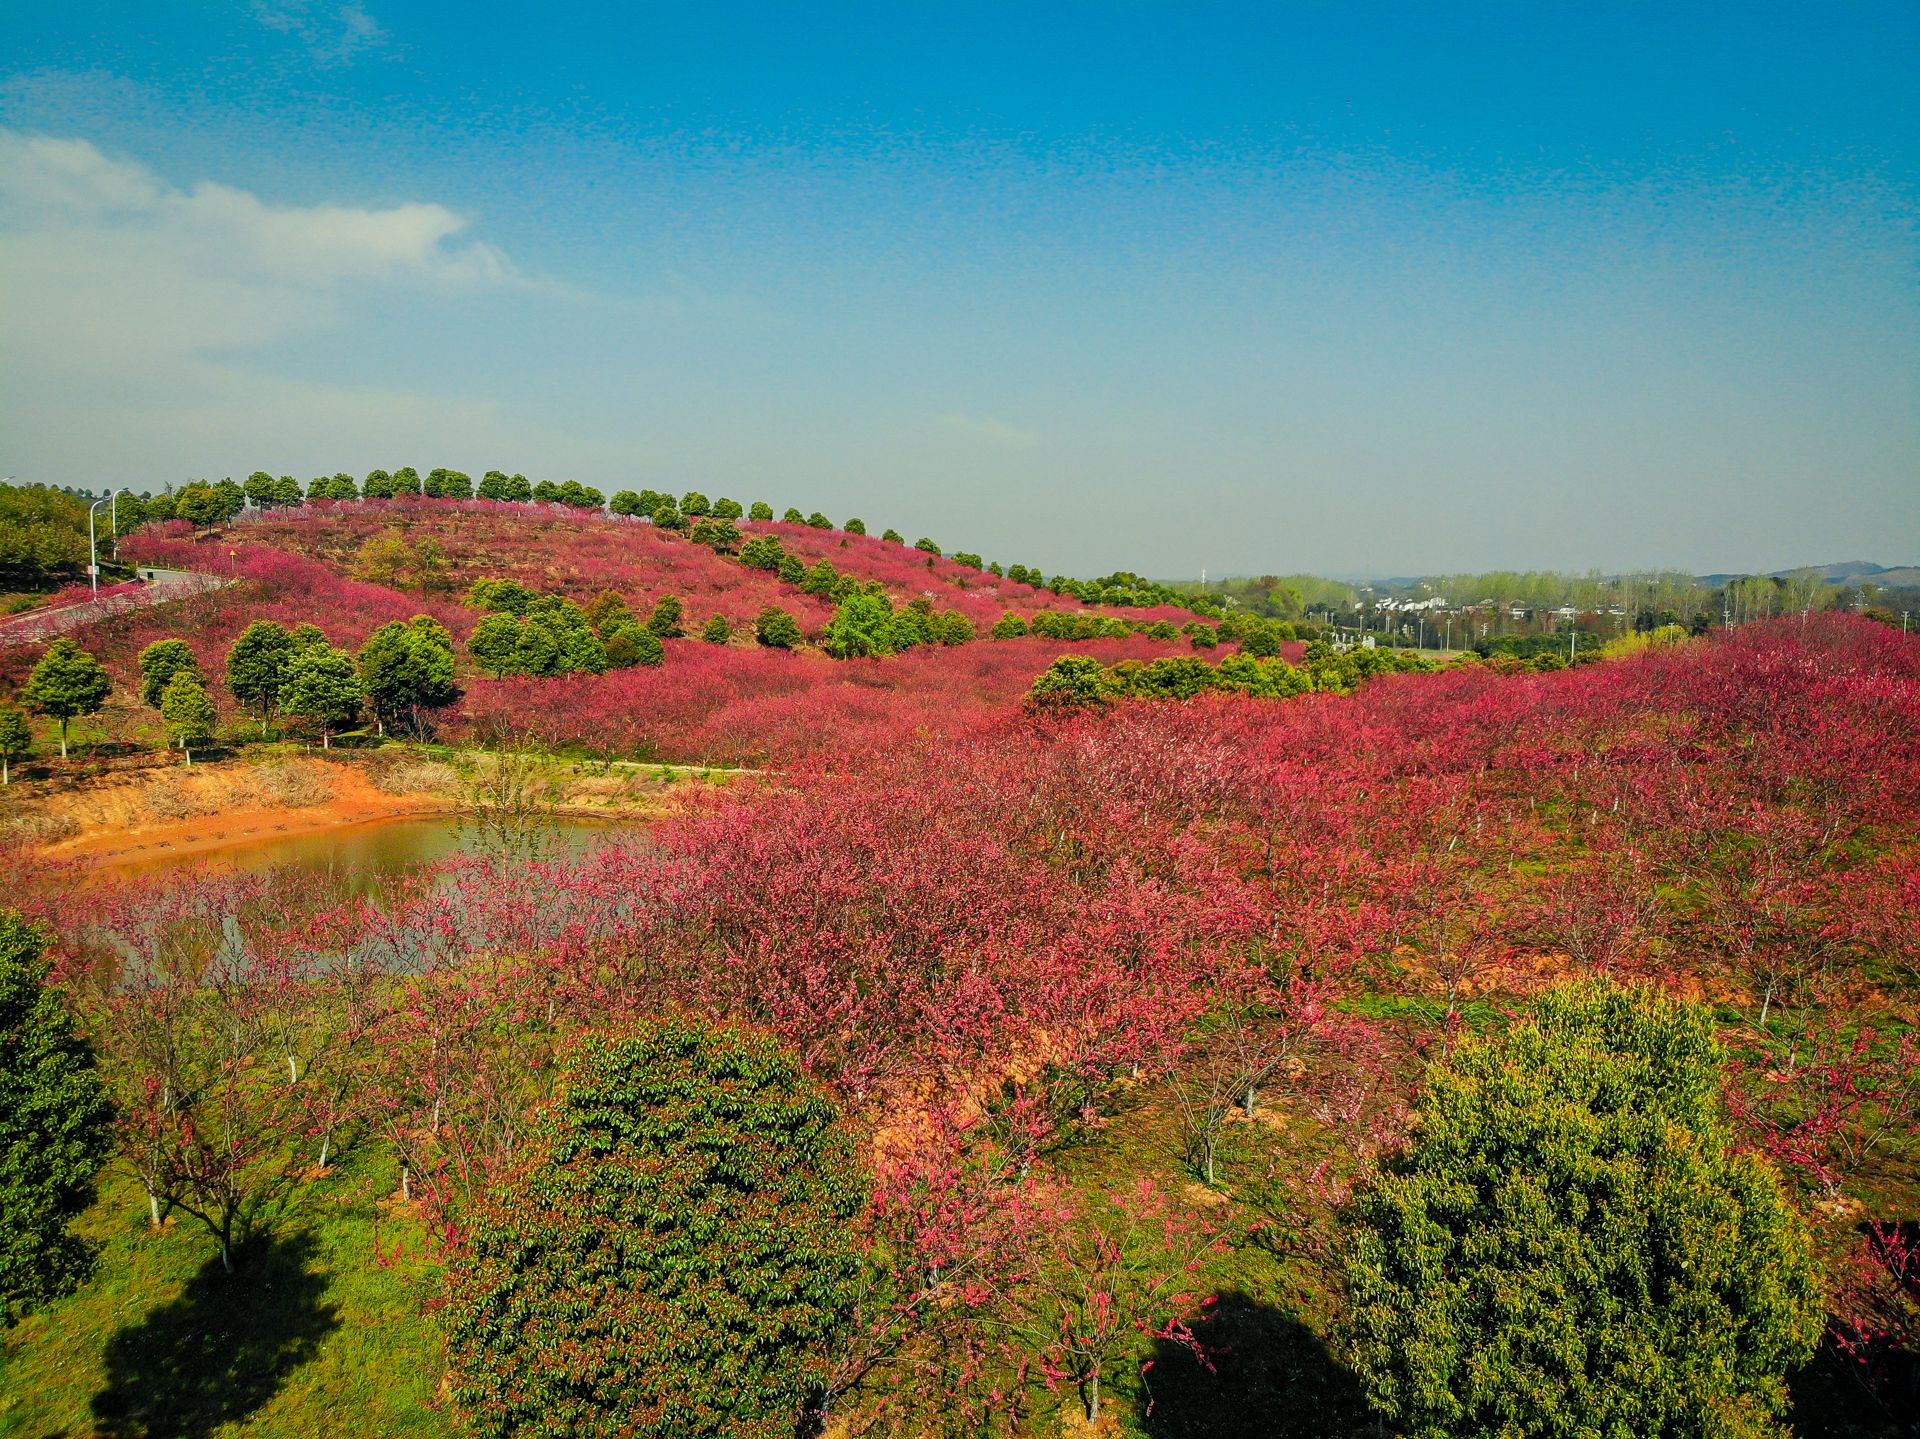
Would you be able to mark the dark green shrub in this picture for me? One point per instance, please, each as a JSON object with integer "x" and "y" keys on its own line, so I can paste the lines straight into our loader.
{"x": 676, "y": 1257}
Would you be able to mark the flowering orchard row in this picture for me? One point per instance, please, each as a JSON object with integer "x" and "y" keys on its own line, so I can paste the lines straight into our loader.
{"x": 983, "y": 935}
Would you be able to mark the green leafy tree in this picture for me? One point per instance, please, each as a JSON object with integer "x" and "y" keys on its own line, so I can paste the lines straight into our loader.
{"x": 200, "y": 505}
{"x": 1573, "y": 1246}
{"x": 792, "y": 517}
{"x": 760, "y": 510}
{"x": 1008, "y": 627}
{"x": 406, "y": 481}
{"x": 893, "y": 537}
{"x": 257, "y": 666}
{"x": 762, "y": 552}
{"x": 628, "y": 645}
{"x": 819, "y": 521}
{"x": 187, "y": 711}
{"x": 495, "y": 643}
{"x": 129, "y": 513}
{"x": 500, "y": 596}
{"x": 56, "y": 1128}
{"x": 665, "y": 619}
{"x": 378, "y": 485}
{"x": 862, "y": 626}
{"x": 1072, "y": 681}
{"x": 716, "y": 631}
{"x": 162, "y": 507}
{"x": 68, "y": 682}
{"x": 605, "y": 610}
{"x": 16, "y": 739}
{"x": 694, "y": 504}
{"x": 722, "y": 535}
{"x": 776, "y": 629}
{"x": 407, "y": 670}
{"x": 677, "y": 1256}
{"x": 259, "y": 490}
{"x": 855, "y": 527}
{"x": 667, "y": 517}
{"x": 324, "y": 688}
{"x": 726, "y": 509}
{"x": 159, "y": 663}
{"x": 926, "y": 545}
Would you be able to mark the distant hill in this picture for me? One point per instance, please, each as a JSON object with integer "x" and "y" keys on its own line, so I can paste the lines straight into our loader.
{"x": 1843, "y": 572}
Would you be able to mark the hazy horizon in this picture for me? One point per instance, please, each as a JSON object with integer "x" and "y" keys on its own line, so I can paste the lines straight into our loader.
{"x": 1358, "y": 289}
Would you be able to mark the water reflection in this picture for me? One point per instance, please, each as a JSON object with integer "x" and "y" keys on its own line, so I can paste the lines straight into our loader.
{"x": 361, "y": 857}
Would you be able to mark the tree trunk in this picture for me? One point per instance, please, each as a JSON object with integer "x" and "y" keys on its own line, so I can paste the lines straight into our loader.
{"x": 187, "y": 752}
{"x": 153, "y": 1209}
{"x": 1249, "y": 1100}
{"x": 63, "y": 739}
{"x": 1090, "y": 1392}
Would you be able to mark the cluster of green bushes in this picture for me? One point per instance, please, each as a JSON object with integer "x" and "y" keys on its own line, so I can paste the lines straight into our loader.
{"x": 866, "y": 623}
{"x": 43, "y": 536}
{"x": 525, "y": 633}
{"x": 1076, "y": 680}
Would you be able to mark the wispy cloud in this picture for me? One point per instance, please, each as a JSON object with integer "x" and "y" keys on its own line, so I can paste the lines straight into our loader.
{"x": 334, "y": 33}
{"x": 990, "y": 431}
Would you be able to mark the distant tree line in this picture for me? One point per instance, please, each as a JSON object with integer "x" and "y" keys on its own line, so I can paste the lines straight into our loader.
{"x": 1077, "y": 681}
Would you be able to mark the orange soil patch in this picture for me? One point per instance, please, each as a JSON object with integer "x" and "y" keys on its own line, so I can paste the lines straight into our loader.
{"x": 354, "y": 800}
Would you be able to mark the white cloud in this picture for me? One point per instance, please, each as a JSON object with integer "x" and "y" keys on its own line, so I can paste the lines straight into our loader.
{"x": 990, "y": 430}
{"x": 139, "y": 314}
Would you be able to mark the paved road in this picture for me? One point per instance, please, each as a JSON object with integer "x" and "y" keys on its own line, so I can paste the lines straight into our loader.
{"x": 161, "y": 586}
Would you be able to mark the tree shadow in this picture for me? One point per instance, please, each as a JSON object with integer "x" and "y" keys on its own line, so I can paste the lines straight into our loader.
{"x": 219, "y": 1351}
{"x": 1271, "y": 1376}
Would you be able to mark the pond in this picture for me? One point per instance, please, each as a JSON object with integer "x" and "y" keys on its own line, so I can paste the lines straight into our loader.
{"x": 360, "y": 856}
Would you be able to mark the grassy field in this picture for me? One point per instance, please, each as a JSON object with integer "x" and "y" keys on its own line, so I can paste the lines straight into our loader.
{"x": 315, "y": 1334}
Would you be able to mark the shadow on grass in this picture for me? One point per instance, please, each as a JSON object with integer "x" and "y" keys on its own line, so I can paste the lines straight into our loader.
{"x": 219, "y": 1351}
{"x": 1272, "y": 1376}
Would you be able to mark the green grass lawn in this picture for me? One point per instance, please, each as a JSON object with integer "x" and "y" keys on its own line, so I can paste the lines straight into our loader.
{"x": 312, "y": 1336}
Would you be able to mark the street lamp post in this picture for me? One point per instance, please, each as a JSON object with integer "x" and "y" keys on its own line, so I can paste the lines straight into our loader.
{"x": 93, "y": 546}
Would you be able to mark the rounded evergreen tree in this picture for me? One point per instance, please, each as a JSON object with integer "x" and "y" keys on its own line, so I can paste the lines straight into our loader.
{"x": 67, "y": 682}
{"x": 676, "y": 1256}
{"x": 1571, "y": 1246}
{"x": 16, "y": 740}
{"x": 159, "y": 663}
{"x": 55, "y": 1128}
{"x": 776, "y": 629}
{"x": 187, "y": 711}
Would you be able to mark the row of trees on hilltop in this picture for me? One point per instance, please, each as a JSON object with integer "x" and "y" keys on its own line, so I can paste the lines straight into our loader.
{"x": 704, "y": 521}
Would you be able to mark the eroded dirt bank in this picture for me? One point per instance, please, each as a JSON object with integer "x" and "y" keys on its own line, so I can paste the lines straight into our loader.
{"x": 167, "y": 808}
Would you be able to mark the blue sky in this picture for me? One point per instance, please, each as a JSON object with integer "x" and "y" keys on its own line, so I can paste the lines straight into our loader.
{"x": 1349, "y": 287}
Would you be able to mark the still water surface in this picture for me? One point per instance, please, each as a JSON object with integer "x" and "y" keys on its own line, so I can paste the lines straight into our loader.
{"x": 360, "y": 856}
